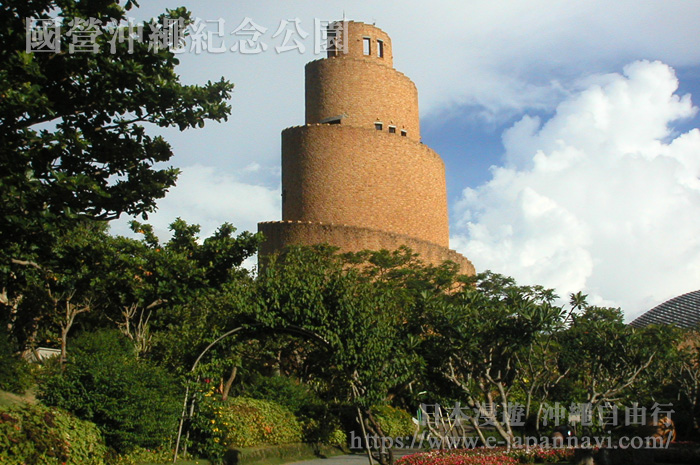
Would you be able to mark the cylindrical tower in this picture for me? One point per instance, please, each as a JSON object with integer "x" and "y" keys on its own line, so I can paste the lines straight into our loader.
{"x": 358, "y": 162}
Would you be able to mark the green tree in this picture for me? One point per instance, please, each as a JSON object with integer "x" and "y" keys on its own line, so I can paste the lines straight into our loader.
{"x": 540, "y": 372}
{"x": 62, "y": 289}
{"x": 605, "y": 355}
{"x": 476, "y": 340}
{"x": 93, "y": 279}
{"x": 686, "y": 372}
{"x": 356, "y": 321}
{"x": 73, "y": 142}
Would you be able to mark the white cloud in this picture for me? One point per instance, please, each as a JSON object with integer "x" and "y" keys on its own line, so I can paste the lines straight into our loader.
{"x": 499, "y": 58}
{"x": 209, "y": 198}
{"x": 604, "y": 197}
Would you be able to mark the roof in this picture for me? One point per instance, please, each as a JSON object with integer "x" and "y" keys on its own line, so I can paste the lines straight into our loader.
{"x": 683, "y": 311}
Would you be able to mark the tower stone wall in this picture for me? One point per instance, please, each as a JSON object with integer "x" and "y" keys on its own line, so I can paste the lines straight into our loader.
{"x": 362, "y": 93}
{"x": 356, "y": 175}
{"x": 363, "y": 177}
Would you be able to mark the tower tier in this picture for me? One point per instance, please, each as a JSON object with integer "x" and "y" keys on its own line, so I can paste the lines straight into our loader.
{"x": 363, "y": 177}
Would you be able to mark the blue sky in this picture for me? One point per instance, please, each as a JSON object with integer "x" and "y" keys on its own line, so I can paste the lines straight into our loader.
{"x": 572, "y": 156}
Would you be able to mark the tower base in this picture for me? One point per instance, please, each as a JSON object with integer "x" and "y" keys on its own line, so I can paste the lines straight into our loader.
{"x": 279, "y": 234}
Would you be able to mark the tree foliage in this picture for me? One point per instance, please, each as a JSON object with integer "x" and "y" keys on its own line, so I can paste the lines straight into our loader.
{"x": 608, "y": 356}
{"x": 476, "y": 340}
{"x": 133, "y": 402}
{"x": 73, "y": 139}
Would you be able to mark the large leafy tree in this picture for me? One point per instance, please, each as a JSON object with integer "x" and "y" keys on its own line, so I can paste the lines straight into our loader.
{"x": 478, "y": 341}
{"x": 605, "y": 355}
{"x": 355, "y": 321}
{"x": 73, "y": 140}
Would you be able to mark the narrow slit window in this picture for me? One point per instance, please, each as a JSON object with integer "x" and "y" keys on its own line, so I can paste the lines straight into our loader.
{"x": 378, "y": 126}
{"x": 332, "y": 120}
{"x": 380, "y": 48}
{"x": 392, "y": 129}
{"x": 366, "y": 46}
{"x": 404, "y": 133}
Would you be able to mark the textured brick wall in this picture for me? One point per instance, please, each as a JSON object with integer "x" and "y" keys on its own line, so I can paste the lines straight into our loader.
{"x": 279, "y": 234}
{"x": 363, "y": 177}
{"x": 364, "y": 91}
{"x": 355, "y": 34}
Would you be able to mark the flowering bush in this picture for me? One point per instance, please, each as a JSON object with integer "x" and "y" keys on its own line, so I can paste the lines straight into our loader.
{"x": 479, "y": 456}
{"x": 50, "y": 436}
{"x": 252, "y": 422}
{"x": 242, "y": 422}
{"x": 487, "y": 456}
{"x": 541, "y": 455}
{"x": 319, "y": 424}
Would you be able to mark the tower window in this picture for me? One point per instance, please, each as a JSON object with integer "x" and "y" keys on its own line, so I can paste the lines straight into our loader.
{"x": 332, "y": 120}
{"x": 380, "y": 48}
{"x": 378, "y": 126}
{"x": 403, "y": 133}
{"x": 366, "y": 46}
{"x": 392, "y": 129}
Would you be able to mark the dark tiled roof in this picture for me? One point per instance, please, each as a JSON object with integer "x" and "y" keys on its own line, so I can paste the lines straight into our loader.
{"x": 683, "y": 311}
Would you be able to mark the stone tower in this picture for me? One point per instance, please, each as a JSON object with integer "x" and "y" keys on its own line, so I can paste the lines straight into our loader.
{"x": 356, "y": 175}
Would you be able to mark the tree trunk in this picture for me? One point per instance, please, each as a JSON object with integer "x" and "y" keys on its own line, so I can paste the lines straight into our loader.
{"x": 386, "y": 455}
{"x": 361, "y": 421}
{"x": 229, "y": 382}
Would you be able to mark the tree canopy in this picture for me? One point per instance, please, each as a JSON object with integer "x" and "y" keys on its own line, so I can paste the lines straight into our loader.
{"x": 73, "y": 122}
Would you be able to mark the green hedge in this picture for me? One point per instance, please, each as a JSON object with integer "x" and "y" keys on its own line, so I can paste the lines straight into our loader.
{"x": 285, "y": 391}
{"x": 34, "y": 434}
{"x": 241, "y": 422}
{"x": 319, "y": 424}
{"x": 394, "y": 422}
{"x": 250, "y": 422}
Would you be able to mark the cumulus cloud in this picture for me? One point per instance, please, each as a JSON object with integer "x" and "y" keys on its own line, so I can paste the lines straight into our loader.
{"x": 496, "y": 58}
{"x": 603, "y": 198}
{"x": 208, "y": 197}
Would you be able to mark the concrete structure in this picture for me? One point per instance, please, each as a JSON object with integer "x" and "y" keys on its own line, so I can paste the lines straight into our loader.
{"x": 356, "y": 175}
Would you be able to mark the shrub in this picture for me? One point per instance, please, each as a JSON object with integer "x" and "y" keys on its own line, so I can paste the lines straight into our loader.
{"x": 42, "y": 435}
{"x": 15, "y": 372}
{"x": 254, "y": 422}
{"x": 139, "y": 455}
{"x": 317, "y": 421}
{"x": 133, "y": 402}
{"x": 327, "y": 431}
{"x": 242, "y": 422}
{"x": 293, "y": 395}
{"x": 393, "y": 421}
